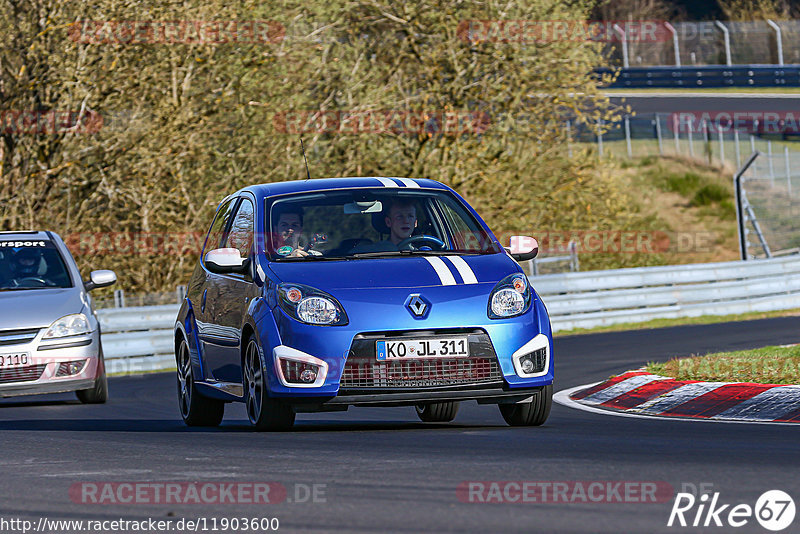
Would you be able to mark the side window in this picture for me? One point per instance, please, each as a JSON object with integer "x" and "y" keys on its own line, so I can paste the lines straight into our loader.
{"x": 240, "y": 235}
{"x": 218, "y": 226}
{"x": 466, "y": 234}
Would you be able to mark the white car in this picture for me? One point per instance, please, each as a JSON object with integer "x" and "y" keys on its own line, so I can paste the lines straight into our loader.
{"x": 49, "y": 333}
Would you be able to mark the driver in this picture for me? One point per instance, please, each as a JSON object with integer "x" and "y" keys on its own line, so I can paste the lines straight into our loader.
{"x": 27, "y": 262}
{"x": 401, "y": 220}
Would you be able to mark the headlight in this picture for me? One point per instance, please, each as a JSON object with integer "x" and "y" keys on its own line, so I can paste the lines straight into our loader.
{"x": 69, "y": 325}
{"x": 510, "y": 297}
{"x": 311, "y": 306}
{"x": 317, "y": 310}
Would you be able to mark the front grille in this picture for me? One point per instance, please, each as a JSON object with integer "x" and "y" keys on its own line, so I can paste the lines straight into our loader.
{"x": 22, "y": 374}
{"x": 363, "y": 371}
{"x": 17, "y": 337}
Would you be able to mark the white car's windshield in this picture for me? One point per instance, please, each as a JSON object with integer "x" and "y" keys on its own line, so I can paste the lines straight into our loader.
{"x": 31, "y": 265}
{"x": 373, "y": 223}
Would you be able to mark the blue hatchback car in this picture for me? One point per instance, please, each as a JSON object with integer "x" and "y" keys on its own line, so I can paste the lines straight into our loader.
{"x": 318, "y": 295}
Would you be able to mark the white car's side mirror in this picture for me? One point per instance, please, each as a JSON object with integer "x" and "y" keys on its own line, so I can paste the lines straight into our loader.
{"x": 226, "y": 260}
{"x": 102, "y": 278}
{"x": 523, "y": 248}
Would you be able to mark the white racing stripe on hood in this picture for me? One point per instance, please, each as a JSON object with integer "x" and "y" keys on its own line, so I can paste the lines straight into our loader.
{"x": 463, "y": 269}
{"x": 387, "y": 182}
{"x": 445, "y": 276}
{"x": 409, "y": 182}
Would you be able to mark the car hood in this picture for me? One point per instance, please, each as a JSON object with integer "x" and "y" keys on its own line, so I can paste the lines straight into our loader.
{"x": 402, "y": 272}
{"x": 37, "y": 308}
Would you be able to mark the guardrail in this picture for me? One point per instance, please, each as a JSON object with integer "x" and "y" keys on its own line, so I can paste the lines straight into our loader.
{"x": 140, "y": 339}
{"x": 707, "y": 76}
{"x": 598, "y": 298}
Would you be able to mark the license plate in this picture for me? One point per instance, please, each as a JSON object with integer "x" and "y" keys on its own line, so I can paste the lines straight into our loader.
{"x": 18, "y": 359}
{"x": 440, "y": 347}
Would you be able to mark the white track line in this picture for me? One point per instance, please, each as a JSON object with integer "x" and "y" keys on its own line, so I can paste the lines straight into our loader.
{"x": 562, "y": 398}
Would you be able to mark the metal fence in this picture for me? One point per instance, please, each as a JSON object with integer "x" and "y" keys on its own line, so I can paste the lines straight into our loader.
{"x": 670, "y": 134}
{"x": 768, "y": 204}
{"x": 707, "y": 43}
{"x": 140, "y": 339}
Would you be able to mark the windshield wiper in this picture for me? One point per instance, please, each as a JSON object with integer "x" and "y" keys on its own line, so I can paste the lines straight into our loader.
{"x": 381, "y": 253}
{"x": 309, "y": 257}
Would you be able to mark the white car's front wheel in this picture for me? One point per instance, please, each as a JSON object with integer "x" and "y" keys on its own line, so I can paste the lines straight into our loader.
{"x": 97, "y": 394}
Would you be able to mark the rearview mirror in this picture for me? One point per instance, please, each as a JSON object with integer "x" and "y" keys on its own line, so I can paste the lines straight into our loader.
{"x": 103, "y": 278}
{"x": 226, "y": 260}
{"x": 523, "y": 248}
{"x": 366, "y": 206}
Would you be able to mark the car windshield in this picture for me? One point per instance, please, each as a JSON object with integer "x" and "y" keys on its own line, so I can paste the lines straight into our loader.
{"x": 367, "y": 223}
{"x": 31, "y": 265}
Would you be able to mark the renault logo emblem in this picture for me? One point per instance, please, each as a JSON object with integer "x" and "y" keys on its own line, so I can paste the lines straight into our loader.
{"x": 417, "y": 305}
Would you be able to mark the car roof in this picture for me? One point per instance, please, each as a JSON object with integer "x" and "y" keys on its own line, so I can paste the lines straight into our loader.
{"x": 25, "y": 235}
{"x": 328, "y": 184}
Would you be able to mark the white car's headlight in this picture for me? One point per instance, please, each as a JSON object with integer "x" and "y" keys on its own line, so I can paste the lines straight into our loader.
{"x": 311, "y": 305}
{"x": 69, "y": 325}
{"x": 510, "y": 297}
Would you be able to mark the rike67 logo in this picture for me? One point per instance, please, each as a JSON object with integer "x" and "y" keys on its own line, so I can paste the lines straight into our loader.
{"x": 774, "y": 510}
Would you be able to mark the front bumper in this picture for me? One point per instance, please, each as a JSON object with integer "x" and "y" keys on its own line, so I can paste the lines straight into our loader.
{"x": 487, "y": 395}
{"x": 45, "y": 372}
{"x": 334, "y": 345}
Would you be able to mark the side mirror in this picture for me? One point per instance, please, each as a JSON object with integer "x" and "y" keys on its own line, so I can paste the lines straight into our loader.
{"x": 523, "y": 248}
{"x": 225, "y": 261}
{"x": 102, "y": 278}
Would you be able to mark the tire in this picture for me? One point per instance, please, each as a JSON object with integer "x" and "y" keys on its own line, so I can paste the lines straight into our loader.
{"x": 98, "y": 394}
{"x": 437, "y": 412}
{"x": 532, "y": 413}
{"x": 196, "y": 410}
{"x": 264, "y": 413}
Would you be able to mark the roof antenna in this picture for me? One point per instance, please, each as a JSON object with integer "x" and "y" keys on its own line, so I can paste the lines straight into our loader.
{"x": 303, "y": 149}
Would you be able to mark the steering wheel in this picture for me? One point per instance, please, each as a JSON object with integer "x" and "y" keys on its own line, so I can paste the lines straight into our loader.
{"x": 36, "y": 279}
{"x": 416, "y": 242}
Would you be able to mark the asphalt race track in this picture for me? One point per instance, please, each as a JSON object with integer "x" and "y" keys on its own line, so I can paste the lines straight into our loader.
{"x": 644, "y": 104}
{"x": 384, "y": 471}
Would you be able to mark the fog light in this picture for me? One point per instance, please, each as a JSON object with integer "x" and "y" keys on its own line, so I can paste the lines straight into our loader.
{"x": 308, "y": 376}
{"x": 295, "y": 372}
{"x": 533, "y": 362}
{"x": 70, "y": 368}
{"x": 527, "y": 366}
